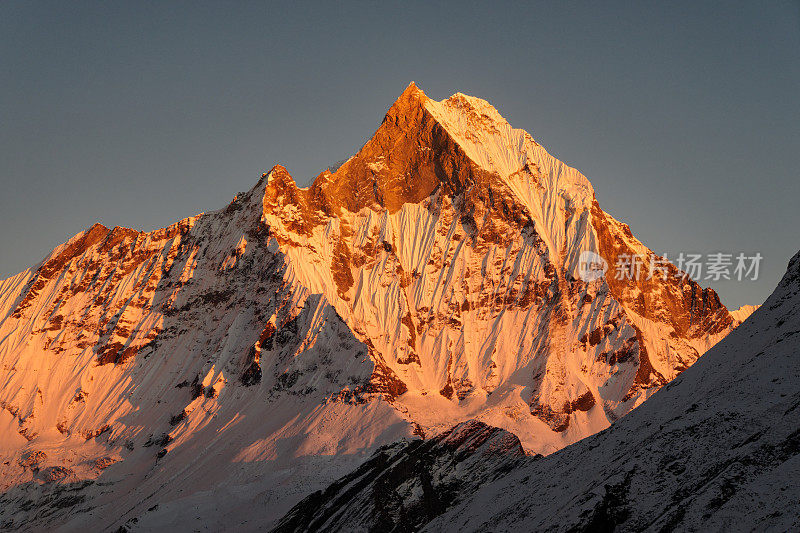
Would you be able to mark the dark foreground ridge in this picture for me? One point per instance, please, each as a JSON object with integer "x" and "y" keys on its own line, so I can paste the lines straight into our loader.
{"x": 403, "y": 486}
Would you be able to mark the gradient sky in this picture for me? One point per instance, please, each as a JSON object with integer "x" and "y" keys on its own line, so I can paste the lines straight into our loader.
{"x": 685, "y": 116}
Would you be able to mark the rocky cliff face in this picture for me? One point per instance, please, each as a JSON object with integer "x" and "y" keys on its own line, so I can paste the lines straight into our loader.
{"x": 431, "y": 279}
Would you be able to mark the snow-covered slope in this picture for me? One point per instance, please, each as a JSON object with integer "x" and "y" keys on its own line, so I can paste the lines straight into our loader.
{"x": 262, "y": 350}
{"x": 170, "y": 364}
{"x": 717, "y": 449}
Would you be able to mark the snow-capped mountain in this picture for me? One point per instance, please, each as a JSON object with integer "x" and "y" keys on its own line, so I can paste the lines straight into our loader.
{"x": 249, "y": 356}
{"x": 717, "y": 449}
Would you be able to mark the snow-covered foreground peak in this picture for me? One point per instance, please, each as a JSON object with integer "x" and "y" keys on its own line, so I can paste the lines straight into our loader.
{"x": 717, "y": 449}
{"x": 259, "y": 351}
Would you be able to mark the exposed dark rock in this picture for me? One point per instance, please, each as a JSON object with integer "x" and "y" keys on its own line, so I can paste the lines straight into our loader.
{"x": 433, "y": 475}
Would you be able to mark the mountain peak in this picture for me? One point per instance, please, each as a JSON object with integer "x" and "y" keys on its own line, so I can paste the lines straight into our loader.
{"x": 407, "y": 107}
{"x": 412, "y": 88}
{"x": 421, "y": 145}
{"x": 279, "y": 174}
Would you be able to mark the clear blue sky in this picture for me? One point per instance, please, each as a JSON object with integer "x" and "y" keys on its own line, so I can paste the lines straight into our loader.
{"x": 685, "y": 116}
